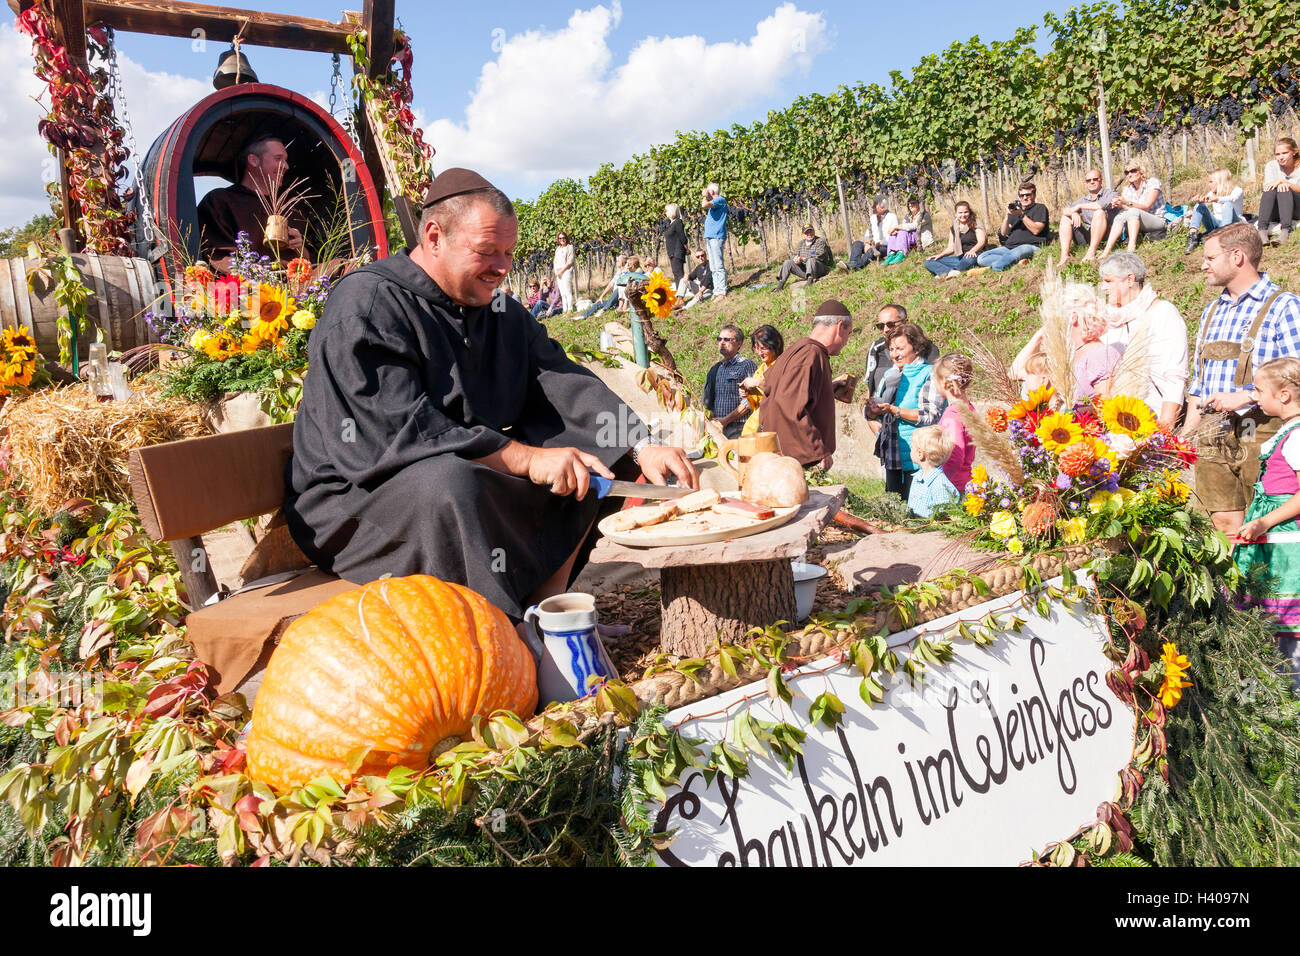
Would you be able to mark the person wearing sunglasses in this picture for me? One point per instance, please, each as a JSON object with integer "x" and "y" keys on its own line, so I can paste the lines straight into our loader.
{"x": 698, "y": 285}
{"x": 1080, "y": 222}
{"x": 1141, "y": 208}
{"x": 723, "y": 396}
{"x": 879, "y": 363}
{"x": 1023, "y": 232}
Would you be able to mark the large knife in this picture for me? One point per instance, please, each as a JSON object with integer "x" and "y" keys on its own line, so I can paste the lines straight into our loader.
{"x": 632, "y": 489}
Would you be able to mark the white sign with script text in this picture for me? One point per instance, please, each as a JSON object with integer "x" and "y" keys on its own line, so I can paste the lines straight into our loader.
{"x": 997, "y": 754}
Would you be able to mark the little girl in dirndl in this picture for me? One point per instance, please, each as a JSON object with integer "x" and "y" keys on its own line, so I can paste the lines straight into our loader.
{"x": 1270, "y": 534}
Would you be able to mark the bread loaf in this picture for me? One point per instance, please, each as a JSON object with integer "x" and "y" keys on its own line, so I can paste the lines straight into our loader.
{"x": 774, "y": 480}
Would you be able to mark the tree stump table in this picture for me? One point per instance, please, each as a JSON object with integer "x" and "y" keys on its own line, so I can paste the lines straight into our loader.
{"x": 719, "y": 591}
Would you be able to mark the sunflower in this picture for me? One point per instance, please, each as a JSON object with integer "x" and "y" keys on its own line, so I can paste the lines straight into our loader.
{"x": 659, "y": 296}
{"x": 1129, "y": 416}
{"x": 979, "y": 474}
{"x": 20, "y": 344}
{"x": 1036, "y": 401}
{"x": 18, "y": 373}
{"x": 1059, "y": 431}
{"x": 1176, "y": 667}
{"x": 220, "y": 345}
{"x": 273, "y": 305}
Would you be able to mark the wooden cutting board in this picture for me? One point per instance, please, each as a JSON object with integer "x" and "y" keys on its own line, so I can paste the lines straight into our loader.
{"x": 699, "y": 527}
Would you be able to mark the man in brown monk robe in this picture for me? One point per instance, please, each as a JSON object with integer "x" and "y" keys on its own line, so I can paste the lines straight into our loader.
{"x": 799, "y": 395}
{"x": 226, "y": 212}
{"x": 443, "y": 432}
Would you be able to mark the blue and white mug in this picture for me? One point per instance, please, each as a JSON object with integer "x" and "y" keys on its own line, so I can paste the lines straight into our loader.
{"x": 562, "y": 632}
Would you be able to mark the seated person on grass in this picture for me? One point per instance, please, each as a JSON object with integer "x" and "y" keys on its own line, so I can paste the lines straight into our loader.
{"x": 608, "y": 297}
{"x": 812, "y": 259}
{"x": 1085, "y": 221}
{"x": 1023, "y": 232}
{"x": 966, "y": 241}
{"x": 1139, "y": 208}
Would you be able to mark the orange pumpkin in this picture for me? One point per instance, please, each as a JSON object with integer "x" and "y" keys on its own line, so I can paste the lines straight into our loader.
{"x": 390, "y": 669}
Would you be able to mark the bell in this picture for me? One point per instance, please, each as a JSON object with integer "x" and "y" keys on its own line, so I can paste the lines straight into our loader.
{"x": 233, "y": 67}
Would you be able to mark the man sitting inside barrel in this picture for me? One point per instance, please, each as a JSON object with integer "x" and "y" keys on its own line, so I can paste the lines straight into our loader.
{"x": 226, "y": 212}
{"x": 443, "y": 432}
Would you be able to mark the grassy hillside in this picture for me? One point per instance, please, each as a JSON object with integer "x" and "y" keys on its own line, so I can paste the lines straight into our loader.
{"x": 1000, "y": 308}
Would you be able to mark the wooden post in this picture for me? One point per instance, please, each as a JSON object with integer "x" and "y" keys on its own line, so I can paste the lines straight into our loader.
{"x": 1103, "y": 125}
{"x": 844, "y": 210}
{"x": 70, "y": 26}
{"x": 1249, "y": 173}
{"x": 200, "y": 584}
{"x": 377, "y": 21}
{"x": 984, "y": 194}
{"x": 1184, "y": 147}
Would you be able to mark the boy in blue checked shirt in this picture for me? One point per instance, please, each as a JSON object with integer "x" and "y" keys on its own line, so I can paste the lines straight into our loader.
{"x": 931, "y": 488}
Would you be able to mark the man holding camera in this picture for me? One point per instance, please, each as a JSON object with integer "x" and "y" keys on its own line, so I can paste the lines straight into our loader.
{"x": 1023, "y": 232}
{"x": 715, "y": 235}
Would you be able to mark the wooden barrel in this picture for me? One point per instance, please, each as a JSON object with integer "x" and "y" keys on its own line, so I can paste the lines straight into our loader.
{"x": 205, "y": 141}
{"x": 121, "y": 290}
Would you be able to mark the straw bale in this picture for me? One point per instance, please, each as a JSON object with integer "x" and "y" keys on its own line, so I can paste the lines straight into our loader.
{"x": 65, "y": 444}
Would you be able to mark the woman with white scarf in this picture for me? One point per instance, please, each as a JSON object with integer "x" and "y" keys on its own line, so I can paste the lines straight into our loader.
{"x": 1139, "y": 319}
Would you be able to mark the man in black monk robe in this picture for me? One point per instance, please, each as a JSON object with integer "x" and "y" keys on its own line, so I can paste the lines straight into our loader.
{"x": 442, "y": 432}
{"x": 226, "y": 212}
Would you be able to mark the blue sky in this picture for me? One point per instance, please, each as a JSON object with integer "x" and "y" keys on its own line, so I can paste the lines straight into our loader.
{"x": 528, "y": 92}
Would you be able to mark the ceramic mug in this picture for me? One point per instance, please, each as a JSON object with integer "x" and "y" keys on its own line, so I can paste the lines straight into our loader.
{"x": 562, "y": 631}
{"x": 746, "y": 447}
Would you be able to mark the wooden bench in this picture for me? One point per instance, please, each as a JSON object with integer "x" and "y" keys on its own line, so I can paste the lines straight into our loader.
{"x": 185, "y": 489}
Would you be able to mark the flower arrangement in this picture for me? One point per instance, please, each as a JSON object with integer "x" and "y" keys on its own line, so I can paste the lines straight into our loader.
{"x": 245, "y": 332}
{"x": 1068, "y": 471}
{"x": 20, "y": 366}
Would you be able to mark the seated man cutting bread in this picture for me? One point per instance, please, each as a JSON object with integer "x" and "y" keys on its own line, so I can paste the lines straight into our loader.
{"x": 442, "y": 432}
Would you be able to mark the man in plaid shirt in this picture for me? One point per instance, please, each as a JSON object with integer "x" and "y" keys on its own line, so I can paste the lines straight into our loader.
{"x": 722, "y": 395}
{"x": 1252, "y": 322}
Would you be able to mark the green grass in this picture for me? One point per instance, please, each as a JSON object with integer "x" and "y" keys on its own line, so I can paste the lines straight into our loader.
{"x": 1001, "y": 308}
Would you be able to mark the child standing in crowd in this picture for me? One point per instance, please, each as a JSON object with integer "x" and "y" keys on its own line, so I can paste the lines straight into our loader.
{"x": 931, "y": 489}
{"x": 1275, "y": 505}
{"x": 952, "y": 375}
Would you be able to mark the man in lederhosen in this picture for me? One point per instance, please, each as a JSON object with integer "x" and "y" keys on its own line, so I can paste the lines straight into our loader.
{"x": 1251, "y": 322}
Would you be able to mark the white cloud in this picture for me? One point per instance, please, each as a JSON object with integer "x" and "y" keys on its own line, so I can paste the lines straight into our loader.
{"x": 554, "y": 104}
{"x": 154, "y": 100}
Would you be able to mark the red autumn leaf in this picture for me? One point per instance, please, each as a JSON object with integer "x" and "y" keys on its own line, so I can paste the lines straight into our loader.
{"x": 246, "y": 810}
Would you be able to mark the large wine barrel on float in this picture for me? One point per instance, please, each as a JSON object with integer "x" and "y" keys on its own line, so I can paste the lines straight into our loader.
{"x": 121, "y": 291}
{"x": 206, "y": 139}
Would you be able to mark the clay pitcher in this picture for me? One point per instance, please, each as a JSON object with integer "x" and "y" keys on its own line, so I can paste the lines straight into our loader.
{"x": 745, "y": 448}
